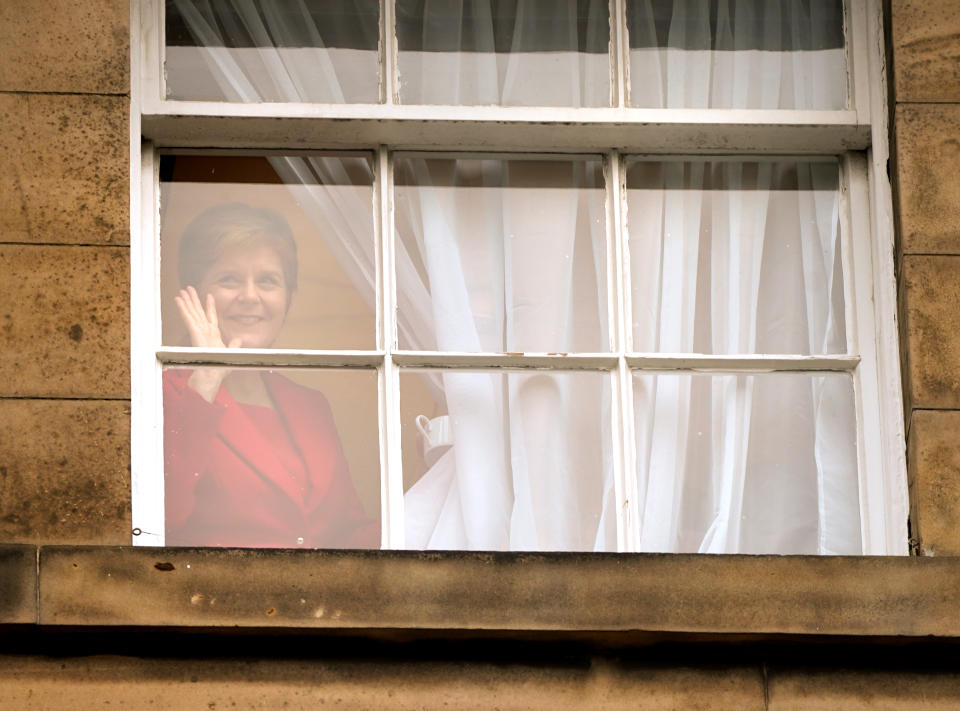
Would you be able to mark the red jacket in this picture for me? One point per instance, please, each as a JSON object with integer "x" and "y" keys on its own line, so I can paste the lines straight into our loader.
{"x": 224, "y": 487}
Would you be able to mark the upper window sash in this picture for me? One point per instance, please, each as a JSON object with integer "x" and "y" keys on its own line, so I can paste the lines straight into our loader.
{"x": 575, "y": 128}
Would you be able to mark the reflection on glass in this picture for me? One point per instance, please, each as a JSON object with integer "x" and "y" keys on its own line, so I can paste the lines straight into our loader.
{"x": 283, "y": 245}
{"x": 737, "y": 54}
{"x": 507, "y": 461}
{"x": 730, "y": 257}
{"x": 256, "y": 458}
{"x": 504, "y": 52}
{"x": 501, "y": 255}
{"x": 321, "y": 51}
{"x": 747, "y": 463}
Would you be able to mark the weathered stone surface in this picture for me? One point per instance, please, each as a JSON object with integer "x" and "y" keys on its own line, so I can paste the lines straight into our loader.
{"x": 64, "y": 168}
{"x": 934, "y": 472}
{"x": 33, "y": 683}
{"x": 931, "y": 330}
{"x": 548, "y": 592}
{"x": 926, "y": 50}
{"x": 867, "y": 689}
{"x": 928, "y": 174}
{"x": 65, "y": 471}
{"x": 65, "y": 46}
{"x": 64, "y": 321}
{"x": 18, "y": 582}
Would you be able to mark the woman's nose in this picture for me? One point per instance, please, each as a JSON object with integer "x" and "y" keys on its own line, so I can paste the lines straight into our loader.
{"x": 248, "y": 292}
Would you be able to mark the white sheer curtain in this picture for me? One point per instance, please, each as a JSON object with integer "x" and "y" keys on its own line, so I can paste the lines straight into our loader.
{"x": 253, "y": 51}
{"x": 735, "y": 258}
{"x": 504, "y": 52}
{"x": 737, "y": 54}
{"x": 518, "y": 267}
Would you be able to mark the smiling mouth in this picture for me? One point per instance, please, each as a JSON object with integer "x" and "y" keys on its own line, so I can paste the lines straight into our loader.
{"x": 246, "y": 320}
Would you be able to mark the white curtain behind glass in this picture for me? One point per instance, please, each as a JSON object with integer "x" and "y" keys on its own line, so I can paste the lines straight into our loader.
{"x": 737, "y": 258}
{"x": 737, "y": 54}
{"x": 274, "y": 50}
{"x": 512, "y": 265}
{"x": 504, "y": 52}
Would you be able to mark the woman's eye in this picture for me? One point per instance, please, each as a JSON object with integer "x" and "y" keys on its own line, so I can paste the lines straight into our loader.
{"x": 228, "y": 280}
{"x": 269, "y": 280}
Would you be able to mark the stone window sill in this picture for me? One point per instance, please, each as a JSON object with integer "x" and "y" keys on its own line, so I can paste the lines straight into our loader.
{"x": 487, "y": 592}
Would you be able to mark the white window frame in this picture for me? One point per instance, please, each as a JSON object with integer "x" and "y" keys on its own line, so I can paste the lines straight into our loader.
{"x": 857, "y": 136}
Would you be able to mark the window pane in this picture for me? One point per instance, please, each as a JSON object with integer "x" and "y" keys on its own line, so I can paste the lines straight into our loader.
{"x": 747, "y": 463}
{"x": 732, "y": 257}
{"x": 260, "y": 458}
{"x": 501, "y": 255}
{"x": 272, "y": 50}
{"x": 504, "y": 52}
{"x": 737, "y": 54}
{"x": 284, "y": 244}
{"x": 507, "y": 461}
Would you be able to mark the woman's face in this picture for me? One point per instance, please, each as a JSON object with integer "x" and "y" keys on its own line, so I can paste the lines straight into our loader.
{"x": 250, "y": 293}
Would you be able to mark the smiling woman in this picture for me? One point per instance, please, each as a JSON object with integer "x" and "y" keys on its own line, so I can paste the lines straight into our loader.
{"x": 252, "y": 458}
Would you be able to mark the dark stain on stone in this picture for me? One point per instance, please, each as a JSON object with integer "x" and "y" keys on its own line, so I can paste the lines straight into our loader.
{"x": 165, "y": 567}
{"x": 76, "y": 332}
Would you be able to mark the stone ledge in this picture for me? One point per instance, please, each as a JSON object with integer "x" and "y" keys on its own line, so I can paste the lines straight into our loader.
{"x": 18, "y": 584}
{"x": 553, "y": 592}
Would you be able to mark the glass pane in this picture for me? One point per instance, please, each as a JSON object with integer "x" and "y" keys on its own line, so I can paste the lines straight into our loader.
{"x": 264, "y": 459}
{"x": 507, "y": 461}
{"x": 283, "y": 244}
{"x": 747, "y": 463}
{"x": 732, "y": 257}
{"x": 321, "y": 51}
{"x": 737, "y": 54}
{"x": 501, "y": 255}
{"x": 504, "y": 52}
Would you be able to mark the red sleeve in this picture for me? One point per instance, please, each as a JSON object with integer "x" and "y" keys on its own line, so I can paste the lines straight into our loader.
{"x": 190, "y": 425}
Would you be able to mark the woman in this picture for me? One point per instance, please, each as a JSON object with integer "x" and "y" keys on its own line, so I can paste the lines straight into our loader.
{"x": 252, "y": 459}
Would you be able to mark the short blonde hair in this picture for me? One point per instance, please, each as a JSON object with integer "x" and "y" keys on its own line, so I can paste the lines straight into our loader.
{"x": 223, "y": 227}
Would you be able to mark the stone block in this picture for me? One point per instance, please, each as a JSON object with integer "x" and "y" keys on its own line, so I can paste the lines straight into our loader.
{"x": 18, "y": 582}
{"x": 65, "y": 471}
{"x": 934, "y": 471}
{"x": 931, "y": 330}
{"x": 64, "y": 321}
{"x": 32, "y": 683}
{"x": 545, "y": 592}
{"x": 928, "y": 177}
{"x": 926, "y": 50}
{"x": 64, "y": 168}
{"x": 65, "y": 46}
{"x": 863, "y": 689}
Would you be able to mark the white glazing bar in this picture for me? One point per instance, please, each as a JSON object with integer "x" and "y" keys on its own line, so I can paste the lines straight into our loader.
{"x": 512, "y": 361}
{"x": 267, "y": 358}
{"x": 146, "y": 416}
{"x": 619, "y": 67}
{"x": 622, "y": 400}
{"x": 889, "y": 384}
{"x": 389, "y": 80}
{"x": 665, "y": 362}
{"x": 391, "y": 485}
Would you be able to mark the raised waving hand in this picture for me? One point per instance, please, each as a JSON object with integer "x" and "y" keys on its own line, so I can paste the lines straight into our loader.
{"x": 204, "y": 329}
